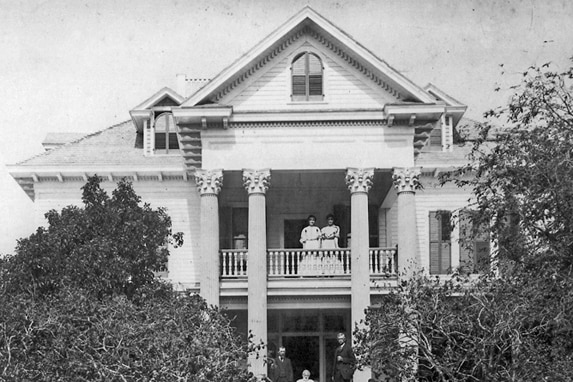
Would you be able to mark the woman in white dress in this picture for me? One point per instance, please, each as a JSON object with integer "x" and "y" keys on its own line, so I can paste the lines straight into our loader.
{"x": 330, "y": 234}
{"x": 310, "y": 235}
{"x": 310, "y": 239}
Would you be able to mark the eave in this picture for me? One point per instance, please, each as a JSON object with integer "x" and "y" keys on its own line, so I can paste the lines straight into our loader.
{"x": 28, "y": 176}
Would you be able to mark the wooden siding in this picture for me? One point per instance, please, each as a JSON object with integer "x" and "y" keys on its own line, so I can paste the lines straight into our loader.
{"x": 179, "y": 198}
{"x": 344, "y": 87}
{"x": 435, "y": 198}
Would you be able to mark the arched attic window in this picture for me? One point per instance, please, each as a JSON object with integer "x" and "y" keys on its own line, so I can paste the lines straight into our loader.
{"x": 166, "y": 141}
{"x": 306, "y": 72}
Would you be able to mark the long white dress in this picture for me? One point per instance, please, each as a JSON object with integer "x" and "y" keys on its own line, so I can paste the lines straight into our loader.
{"x": 330, "y": 235}
{"x": 330, "y": 262}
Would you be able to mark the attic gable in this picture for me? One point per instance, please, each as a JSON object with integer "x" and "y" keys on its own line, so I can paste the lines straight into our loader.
{"x": 331, "y": 38}
{"x": 164, "y": 98}
{"x": 341, "y": 85}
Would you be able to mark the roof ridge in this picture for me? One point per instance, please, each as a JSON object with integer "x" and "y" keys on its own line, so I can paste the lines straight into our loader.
{"x": 60, "y": 147}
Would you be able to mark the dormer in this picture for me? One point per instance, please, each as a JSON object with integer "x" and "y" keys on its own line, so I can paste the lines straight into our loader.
{"x": 154, "y": 120}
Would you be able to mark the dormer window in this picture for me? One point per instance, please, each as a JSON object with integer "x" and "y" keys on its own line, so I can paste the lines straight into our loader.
{"x": 307, "y": 77}
{"x": 166, "y": 141}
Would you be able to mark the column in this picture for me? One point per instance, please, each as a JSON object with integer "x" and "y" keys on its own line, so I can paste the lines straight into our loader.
{"x": 359, "y": 182}
{"x": 406, "y": 181}
{"x": 209, "y": 184}
{"x": 256, "y": 183}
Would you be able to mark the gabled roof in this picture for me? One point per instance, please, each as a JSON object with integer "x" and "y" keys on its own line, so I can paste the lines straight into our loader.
{"x": 159, "y": 97}
{"x": 165, "y": 97}
{"x": 334, "y": 37}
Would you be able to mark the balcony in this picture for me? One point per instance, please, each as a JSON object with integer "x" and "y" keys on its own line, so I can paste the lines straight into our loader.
{"x": 285, "y": 263}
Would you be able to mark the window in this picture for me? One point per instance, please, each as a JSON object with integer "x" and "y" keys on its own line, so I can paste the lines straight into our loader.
{"x": 307, "y": 77}
{"x": 474, "y": 245}
{"x": 440, "y": 242}
{"x": 166, "y": 141}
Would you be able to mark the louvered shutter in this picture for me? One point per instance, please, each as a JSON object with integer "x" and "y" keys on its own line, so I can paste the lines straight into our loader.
{"x": 314, "y": 75}
{"x": 440, "y": 242}
{"x": 299, "y": 76}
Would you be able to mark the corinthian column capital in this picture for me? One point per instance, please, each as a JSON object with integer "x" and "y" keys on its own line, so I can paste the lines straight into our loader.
{"x": 359, "y": 179}
{"x": 209, "y": 181}
{"x": 256, "y": 181}
{"x": 406, "y": 179}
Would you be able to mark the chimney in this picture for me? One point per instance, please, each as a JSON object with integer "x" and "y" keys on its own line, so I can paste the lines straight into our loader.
{"x": 182, "y": 85}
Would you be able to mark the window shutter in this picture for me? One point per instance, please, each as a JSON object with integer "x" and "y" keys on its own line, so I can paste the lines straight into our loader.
{"x": 440, "y": 242}
{"x": 315, "y": 85}
{"x": 298, "y": 85}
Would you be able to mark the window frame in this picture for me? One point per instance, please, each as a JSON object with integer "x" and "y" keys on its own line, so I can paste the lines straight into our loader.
{"x": 472, "y": 243}
{"x": 308, "y": 76}
{"x": 170, "y": 133}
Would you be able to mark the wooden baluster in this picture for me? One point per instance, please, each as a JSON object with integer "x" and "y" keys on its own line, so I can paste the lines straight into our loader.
{"x": 225, "y": 271}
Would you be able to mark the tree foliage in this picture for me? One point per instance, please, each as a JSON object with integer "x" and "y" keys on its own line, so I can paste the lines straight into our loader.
{"x": 516, "y": 323}
{"x": 80, "y": 301}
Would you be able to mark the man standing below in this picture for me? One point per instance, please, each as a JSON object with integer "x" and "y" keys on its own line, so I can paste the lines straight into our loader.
{"x": 281, "y": 369}
{"x": 344, "y": 360}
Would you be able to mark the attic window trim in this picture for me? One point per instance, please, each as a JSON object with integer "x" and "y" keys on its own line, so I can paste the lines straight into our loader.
{"x": 307, "y": 79}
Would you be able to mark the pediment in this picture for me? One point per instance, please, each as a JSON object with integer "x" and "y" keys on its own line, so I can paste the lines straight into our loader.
{"x": 364, "y": 73}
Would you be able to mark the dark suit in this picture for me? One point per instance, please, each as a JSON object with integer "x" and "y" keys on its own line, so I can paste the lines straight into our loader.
{"x": 343, "y": 370}
{"x": 281, "y": 371}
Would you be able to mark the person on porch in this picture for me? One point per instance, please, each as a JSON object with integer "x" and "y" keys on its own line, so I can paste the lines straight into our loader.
{"x": 310, "y": 235}
{"x": 330, "y": 234}
{"x": 282, "y": 368}
{"x": 344, "y": 360}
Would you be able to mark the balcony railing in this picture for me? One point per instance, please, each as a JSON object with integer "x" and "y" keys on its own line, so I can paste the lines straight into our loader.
{"x": 303, "y": 262}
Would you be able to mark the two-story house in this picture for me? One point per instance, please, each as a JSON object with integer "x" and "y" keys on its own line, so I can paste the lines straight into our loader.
{"x": 307, "y": 122}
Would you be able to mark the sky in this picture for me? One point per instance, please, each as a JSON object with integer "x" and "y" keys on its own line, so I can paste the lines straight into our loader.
{"x": 80, "y": 66}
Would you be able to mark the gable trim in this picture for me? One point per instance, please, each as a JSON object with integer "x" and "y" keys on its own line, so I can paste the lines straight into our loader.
{"x": 288, "y": 32}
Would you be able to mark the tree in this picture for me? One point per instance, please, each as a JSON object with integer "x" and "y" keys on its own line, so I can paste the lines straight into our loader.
{"x": 79, "y": 301}
{"x": 112, "y": 245}
{"x": 515, "y": 323}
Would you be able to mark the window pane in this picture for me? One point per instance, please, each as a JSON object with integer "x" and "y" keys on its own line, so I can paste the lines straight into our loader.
{"x": 160, "y": 141}
{"x": 173, "y": 142}
{"x": 299, "y": 66}
{"x": 162, "y": 122}
{"x": 314, "y": 64}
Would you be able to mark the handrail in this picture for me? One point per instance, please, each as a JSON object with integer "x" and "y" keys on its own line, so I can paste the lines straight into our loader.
{"x": 308, "y": 262}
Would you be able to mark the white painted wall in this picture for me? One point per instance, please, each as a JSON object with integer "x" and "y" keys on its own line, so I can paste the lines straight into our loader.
{"x": 307, "y": 148}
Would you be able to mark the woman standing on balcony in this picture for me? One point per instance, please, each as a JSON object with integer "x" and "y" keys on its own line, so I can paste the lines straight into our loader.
{"x": 310, "y": 235}
{"x": 330, "y": 234}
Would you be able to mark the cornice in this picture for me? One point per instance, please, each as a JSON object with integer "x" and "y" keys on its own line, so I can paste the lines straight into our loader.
{"x": 355, "y": 63}
{"x": 324, "y": 41}
{"x": 252, "y": 69}
{"x": 303, "y": 124}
